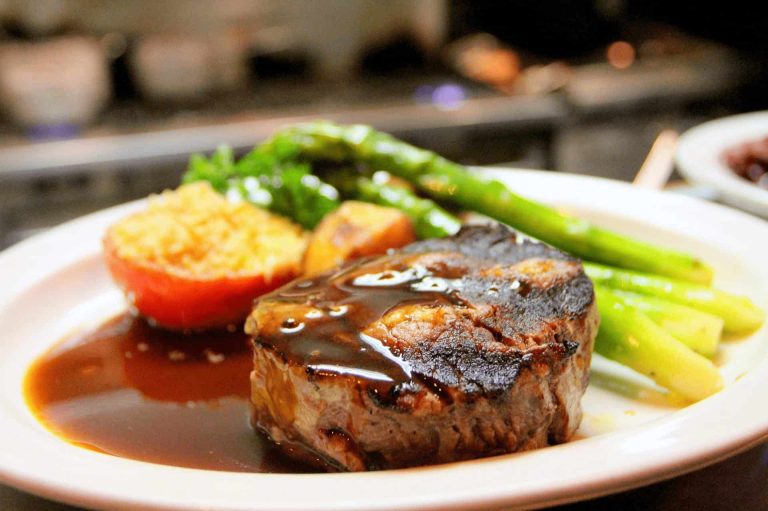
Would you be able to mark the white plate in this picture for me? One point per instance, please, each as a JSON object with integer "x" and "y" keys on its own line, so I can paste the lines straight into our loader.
{"x": 699, "y": 159}
{"x": 56, "y": 282}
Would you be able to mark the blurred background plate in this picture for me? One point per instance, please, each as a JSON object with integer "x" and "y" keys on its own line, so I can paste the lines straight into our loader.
{"x": 700, "y": 159}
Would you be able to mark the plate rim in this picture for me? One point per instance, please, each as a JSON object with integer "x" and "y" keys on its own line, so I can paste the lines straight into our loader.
{"x": 692, "y": 458}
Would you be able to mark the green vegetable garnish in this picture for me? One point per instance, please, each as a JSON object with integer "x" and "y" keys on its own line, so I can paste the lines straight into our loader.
{"x": 429, "y": 219}
{"x": 629, "y": 337}
{"x": 445, "y": 180}
{"x": 740, "y": 314}
{"x": 272, "y": 180}
{"x": 698, "y": 330}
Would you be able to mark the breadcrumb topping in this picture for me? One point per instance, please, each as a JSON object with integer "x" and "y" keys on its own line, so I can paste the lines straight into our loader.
{"x": 195, "y": 231}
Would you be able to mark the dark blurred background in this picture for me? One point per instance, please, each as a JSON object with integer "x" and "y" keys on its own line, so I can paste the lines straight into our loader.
{"x": 102, "y": 101}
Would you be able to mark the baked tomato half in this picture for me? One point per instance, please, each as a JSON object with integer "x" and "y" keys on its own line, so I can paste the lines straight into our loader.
{"x": 195, "y": 261}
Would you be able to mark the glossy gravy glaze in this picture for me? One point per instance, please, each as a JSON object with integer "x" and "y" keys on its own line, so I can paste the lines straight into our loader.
{"x": 320, "y": 322}
{"x": 137, "y": 392}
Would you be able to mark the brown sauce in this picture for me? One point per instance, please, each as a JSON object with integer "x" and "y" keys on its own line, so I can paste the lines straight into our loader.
{"x": 749, "y": 160}
{"x": 322, "y": 321}
{"x": 133, "y": 391}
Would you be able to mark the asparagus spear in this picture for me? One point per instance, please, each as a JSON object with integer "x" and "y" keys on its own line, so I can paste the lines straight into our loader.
{"x": 698, "y": 330}
{"x": 446, "y": 180}
{"x": 629, "y": 337}
{"x": 429, "y": 219}
{"x": 740, "y": 315}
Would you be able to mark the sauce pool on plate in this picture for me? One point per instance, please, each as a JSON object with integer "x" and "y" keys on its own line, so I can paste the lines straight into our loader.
{"x": 134, "y": 391}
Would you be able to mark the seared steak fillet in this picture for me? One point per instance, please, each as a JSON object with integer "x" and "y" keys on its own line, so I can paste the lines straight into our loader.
{"x": 446, "y": 350}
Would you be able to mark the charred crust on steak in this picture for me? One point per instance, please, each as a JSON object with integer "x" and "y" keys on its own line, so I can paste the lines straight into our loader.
{"x": 442, "y": 327}
{"x": 495, "y": 243}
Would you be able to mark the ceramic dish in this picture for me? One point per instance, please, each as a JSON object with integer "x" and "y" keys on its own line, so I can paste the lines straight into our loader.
{"x": 700, "y": 159}
{"x": 631, "y": 435}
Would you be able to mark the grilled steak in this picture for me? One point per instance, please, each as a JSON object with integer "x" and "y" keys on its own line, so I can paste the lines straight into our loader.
{"x": 448, "y": 349}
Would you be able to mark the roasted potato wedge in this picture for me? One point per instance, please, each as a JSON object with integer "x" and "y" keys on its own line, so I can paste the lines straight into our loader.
{"x": 354, "y": 230}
